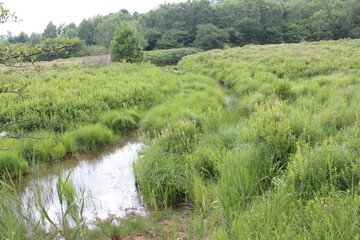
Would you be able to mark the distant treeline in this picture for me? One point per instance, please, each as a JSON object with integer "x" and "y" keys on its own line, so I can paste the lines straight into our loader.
{"x": 209, "y": 24}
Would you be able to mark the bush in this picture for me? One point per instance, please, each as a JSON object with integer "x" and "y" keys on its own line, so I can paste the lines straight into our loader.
{"x": 126, "y": 46}
{"x": 169, "y": 56}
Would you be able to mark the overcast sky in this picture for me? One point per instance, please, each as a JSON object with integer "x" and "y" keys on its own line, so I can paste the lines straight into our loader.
{"x": 36, "y": 14}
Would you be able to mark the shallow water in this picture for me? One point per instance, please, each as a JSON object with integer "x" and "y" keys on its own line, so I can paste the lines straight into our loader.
{"x": 106, "y": 179}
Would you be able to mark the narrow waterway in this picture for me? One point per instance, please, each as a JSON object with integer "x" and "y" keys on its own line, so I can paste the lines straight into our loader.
{"x": 105, "y": 178}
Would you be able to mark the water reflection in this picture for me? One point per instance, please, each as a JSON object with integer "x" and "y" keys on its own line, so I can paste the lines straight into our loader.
{"x": 106, "y": 180}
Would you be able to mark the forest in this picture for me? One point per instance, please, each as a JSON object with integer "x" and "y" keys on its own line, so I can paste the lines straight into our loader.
{"x": 209, "y": 24}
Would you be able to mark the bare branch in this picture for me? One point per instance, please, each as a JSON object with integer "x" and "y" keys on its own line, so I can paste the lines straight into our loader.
{"x": 14, "y": 55}
{"x": 9, "y": 124}
{"x": 28, "y": 137}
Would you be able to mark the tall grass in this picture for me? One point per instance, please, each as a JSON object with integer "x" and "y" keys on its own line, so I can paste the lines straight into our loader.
{"x": 91, "y": 137}
{"x": 280, "y": 162}
{"x": 296, "y": 147}
{"x": 12, "y": 222}
{"x": 11, "y": 163}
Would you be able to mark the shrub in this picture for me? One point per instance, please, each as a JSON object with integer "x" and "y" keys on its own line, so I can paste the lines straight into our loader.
{"x": 126, "y": 46}
{"x": 169, "y": 56}
{"x": 94, "y": 50}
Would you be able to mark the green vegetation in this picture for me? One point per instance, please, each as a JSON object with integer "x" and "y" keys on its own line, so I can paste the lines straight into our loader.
{"x": 76, "y": 108}
{"x": 257, "y": 142}
{"x": 126, "y": 46}
{"x": 169, "y": 56}
{"x": 281, "y": 160}
{"x": 209, "y": 36}
{"x": 212, "y": 24}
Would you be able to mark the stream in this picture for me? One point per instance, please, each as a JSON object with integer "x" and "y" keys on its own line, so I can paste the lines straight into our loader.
{"x": 105, "y": 178}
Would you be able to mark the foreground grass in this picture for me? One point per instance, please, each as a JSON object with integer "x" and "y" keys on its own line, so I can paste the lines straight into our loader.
{"x": 74, "y": 108}
{"x": 274, "y": 154}
{"x": 282, "y": 160}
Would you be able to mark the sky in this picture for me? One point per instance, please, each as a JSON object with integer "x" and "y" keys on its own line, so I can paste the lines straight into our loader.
{"x": 36, "y": 14}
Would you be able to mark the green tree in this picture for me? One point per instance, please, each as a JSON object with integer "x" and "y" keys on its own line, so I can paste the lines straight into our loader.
{"x": 126, "y": 45}
{"x": 105, "y": 30}
{"x": 86, "y": 29}
{"x": 70, "y": 31}
{"x": 152, "y": 35}
{"x": 22, "y": 38}
{"x": 50, "y": 31}
{"x": 208, "y": 36}
{"x": 34, "y": 39}
{"x": 173, "y": 38}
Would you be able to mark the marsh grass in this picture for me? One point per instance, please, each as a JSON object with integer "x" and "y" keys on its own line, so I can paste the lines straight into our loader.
{"x": 91, "y": 137}
{"x": 12, "y": 222}
{"x": 72, "y": 221}
{"x": 297, "y": 141}
{"x": 278, "y": 160}
{"x": 11, "y": 163}
{"x": 121, "y": 122}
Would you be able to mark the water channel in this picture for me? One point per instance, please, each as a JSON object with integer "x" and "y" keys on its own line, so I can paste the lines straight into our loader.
{"x": 105, "y": 177}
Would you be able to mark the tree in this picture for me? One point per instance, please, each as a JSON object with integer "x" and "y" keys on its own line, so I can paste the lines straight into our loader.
{"x": 34, "y": 39}
{"x": 6, "y": 15}
{"x": 70, "y": 31}
{"x": 50, "y": 30}
{"x": 105, "y": 30}
{"x": 208, "y": 36}
{"x": 173, "y": 38}
{"x": 126, "y": 45}
{"x": 86, "y": 29}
